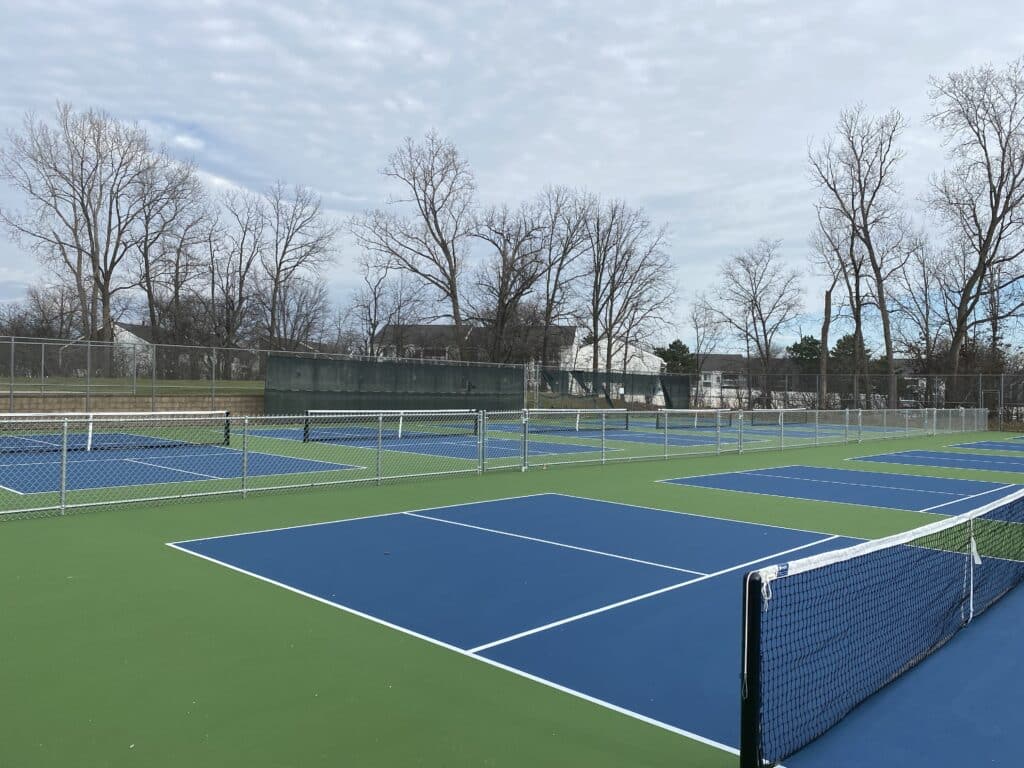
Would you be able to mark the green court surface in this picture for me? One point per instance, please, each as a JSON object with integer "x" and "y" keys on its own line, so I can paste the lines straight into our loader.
{"x": 119, "y": 651}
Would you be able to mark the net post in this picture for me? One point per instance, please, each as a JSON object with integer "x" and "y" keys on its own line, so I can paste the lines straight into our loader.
{"x": 245, "y": 456}
{"x": 664, "y": 427}
{"x": 64, "y": 467}
{"x": 88, "y": 437}
{"x": 380, "y": 445}
{"x": 481, "y": 432}
{"x": 750, "y": 674}
{"x": 604, "y": 442}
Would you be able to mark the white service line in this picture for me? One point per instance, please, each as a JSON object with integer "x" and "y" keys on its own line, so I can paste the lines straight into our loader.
{"x": 967, "y": 498}
{"x": 758, "y": 473}
{"x": 461, "y": 651}
{"x": 175, "y": 469}
{"x": 646, "y": 595}
{"x": 555, "y": 543}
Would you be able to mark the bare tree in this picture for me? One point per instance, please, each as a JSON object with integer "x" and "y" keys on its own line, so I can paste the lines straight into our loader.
{"x": 433, "y": 242}
{"x": 919, "y": 323}
{"x": 233, "y": 247}
{"x": 302, "y": 312}
{"x": 628, "y": 279}
{"x": 980, "y": 197}
{"x": 855, "y": 170}
{"x": 708, "y": 329}
{"x": 386, "y": 299}
{"x": 172, "y": 223}
{"x": 563, "y": 242}
{"x": 80, "y": 180}
{"x": 757, "y": 297}
{"x": 840, "y": 254}
{"x": 298, "y": 245}
{"x": 509, "y": 273}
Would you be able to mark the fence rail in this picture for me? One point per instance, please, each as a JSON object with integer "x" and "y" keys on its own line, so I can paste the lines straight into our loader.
{"x": 55, "y": 464}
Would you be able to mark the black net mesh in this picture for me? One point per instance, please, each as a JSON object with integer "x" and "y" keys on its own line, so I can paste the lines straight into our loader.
{"x": 834, "y": 629}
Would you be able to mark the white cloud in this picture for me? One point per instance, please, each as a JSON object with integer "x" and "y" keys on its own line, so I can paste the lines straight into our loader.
{"x": 700, "y": 112}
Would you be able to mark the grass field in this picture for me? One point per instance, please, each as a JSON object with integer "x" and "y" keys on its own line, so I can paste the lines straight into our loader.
{"x": 119, "y": 651}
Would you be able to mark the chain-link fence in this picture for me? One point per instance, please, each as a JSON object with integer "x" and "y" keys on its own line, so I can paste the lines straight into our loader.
{"x": 55, "y": 463}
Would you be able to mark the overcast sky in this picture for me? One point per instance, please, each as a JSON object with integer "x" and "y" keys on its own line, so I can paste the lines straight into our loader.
{"x": 701, "y": 112}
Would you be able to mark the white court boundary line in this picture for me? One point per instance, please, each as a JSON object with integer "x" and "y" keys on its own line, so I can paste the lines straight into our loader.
{"x": 497, "y": 664}
{"x": 175, "y": 469}
{"x": 204, "y": 478}
{"x": 760, "y": 473}
{"x": 461, "y": 651}
{"x": 978, "y": 459}
{"x": 645, "y": 596}
{"x": 756, "y": 473}
{"x": 602, "y": 553}
{"x": 968, "y": 498}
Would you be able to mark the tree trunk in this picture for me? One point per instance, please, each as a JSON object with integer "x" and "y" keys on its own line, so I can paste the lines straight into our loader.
{"x": 823, "y": 356}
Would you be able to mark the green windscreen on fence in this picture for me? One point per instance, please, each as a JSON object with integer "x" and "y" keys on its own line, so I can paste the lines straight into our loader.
{"x": 299, "y": 383}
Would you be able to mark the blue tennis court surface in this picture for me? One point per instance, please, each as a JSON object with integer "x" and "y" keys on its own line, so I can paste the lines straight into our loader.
{"x": 993, "y": 445}
{"x": 450, "y": 446}
{"x": 951, "y": 460}
{"x": 40, "y": 472}
{"x": 958, "y": 708}
{"x": 876, "y": 489}
{"x": 630, "y": 607}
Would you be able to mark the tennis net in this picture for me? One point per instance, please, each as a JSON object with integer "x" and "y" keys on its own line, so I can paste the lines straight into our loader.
{"x": 45, "y": 432}
{"x": 693, "y": 418}
{"x": 824, "y": 633}
{"x": 774, "y": 417}
{"x": 577, "y": 420}
{"x": 328, "y": 426}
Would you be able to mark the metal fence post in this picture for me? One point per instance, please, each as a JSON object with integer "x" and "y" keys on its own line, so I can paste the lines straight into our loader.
{"x": 245, "y": 456}
{"x": 88, "y": 375}
{"x": 10, "y": 396}
{"x": 739, "y": 422}
{"x": 846, "y": 426}
{"x": 782, "y": 430}
{"x": 42, "y": 369}
{"x": 860, "y": 425}
{"x": 64, "y": 467}
{"x": 816, "y": 412}
{"x": 906, "y": 423}
{"x": 152, "y": 378}
{"x": 718, "y": 432}
{"x": 380, "y": 445}
{"x": 213, "y": 378}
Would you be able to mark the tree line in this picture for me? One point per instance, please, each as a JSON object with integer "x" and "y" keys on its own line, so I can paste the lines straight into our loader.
{"x": 938, "y": 280}
{"x": 126, "y": 231}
